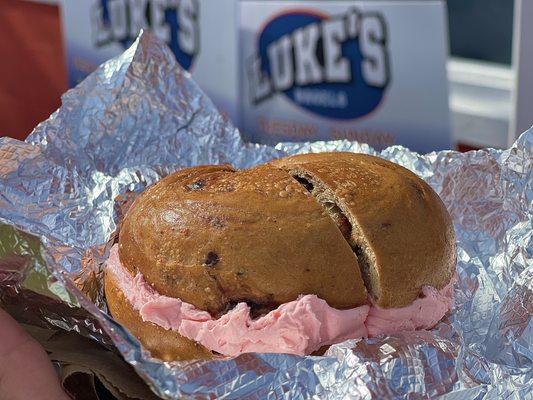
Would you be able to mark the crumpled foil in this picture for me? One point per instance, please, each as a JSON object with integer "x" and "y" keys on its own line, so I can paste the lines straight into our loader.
{"x": 140, "y": 117}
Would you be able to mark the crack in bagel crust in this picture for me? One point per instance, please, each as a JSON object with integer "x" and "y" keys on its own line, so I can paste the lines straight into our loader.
{"x": 401, "y": 232}
{"x": 331, "y": 207}
{"x": 341, "y": 221}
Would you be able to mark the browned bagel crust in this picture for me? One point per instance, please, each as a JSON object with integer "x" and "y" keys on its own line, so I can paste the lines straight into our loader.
{"x": 212, "y": 237}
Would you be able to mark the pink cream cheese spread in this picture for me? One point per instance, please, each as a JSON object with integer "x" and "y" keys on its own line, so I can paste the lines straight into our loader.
{"x": 298, "y": 327}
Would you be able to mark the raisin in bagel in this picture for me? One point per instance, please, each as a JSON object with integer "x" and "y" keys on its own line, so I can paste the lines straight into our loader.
{"x": 323, "y": 224}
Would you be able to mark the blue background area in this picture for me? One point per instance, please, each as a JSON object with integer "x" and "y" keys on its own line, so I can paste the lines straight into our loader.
{"x": 362, "y": 98}
{"x": 184, "y": 59}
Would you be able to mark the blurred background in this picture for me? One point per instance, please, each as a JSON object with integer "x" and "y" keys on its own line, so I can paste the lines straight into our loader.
{"x": 479, "y": 82}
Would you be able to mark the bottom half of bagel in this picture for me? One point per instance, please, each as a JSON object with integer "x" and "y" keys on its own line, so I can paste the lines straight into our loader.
{"x": 166, "y": 344}
{"x": 172, "y": 329}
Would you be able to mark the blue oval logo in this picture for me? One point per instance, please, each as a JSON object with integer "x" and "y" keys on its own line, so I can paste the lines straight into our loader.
{"x": 174, "y": 22}
{"x": 335, "y": 67}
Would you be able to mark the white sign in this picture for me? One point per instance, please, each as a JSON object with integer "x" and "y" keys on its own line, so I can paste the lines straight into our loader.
{"x": 201, "y": 33}
{"x": 360, "y": 70}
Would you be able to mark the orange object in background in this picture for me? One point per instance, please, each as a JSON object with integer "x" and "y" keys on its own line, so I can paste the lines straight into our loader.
{"x": 32, "y": 65}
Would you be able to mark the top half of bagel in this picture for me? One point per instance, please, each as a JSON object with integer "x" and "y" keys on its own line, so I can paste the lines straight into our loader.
{"x": 328, "y": 224}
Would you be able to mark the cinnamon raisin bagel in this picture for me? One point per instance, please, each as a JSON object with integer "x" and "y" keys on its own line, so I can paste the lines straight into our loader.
{"x": 318, "y": 224}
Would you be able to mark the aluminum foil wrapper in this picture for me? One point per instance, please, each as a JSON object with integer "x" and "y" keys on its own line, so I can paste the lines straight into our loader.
{"x": 140, "y": 117}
